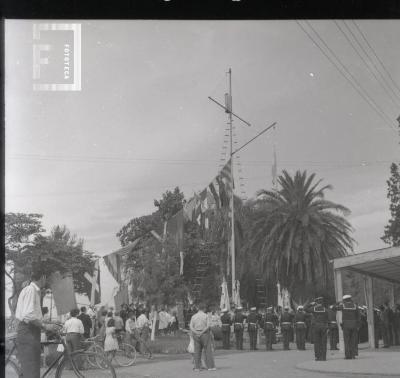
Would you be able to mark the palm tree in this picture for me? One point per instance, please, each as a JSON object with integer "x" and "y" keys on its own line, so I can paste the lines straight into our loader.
{"x": 296, "y": 232}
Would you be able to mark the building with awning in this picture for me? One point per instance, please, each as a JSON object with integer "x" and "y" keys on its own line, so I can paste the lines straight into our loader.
{"x": 383, "y": 264}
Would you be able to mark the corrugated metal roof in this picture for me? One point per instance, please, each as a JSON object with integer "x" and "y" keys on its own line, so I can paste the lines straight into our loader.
{"x": 379, "y": 263}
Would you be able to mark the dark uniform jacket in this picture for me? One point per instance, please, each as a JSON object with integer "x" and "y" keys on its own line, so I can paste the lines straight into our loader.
{"x": 351, "y": 317}
{"x": 320, "y": 316}
{"x": 332, "y": 318}
{"x": 286, "y": 320}
{"x": 300, "y": 319}
{"x": 238, "y": 320}
{"x": 270, "y": 321}
{"x": 252, "y": 321}
{"x": 226, "y": 321}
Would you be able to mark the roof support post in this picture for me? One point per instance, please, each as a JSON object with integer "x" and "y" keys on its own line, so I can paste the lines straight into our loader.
{"x": 370, "y": 311}
{"x": 339, "y": 296}
{"x": 391, "y": 295}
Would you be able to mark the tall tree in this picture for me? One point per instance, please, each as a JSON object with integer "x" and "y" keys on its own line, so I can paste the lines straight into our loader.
{"x": 296, "y": 232}
{"x": 392, "y": 229}
{"x": 27, "y": 248}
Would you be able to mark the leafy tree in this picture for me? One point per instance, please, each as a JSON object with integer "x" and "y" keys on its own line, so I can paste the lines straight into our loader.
{"x": 392, "y": 229}
{"x": 296, "y": 232}
{"x": 27, "y": 248}
{"x": 20, "y": 231}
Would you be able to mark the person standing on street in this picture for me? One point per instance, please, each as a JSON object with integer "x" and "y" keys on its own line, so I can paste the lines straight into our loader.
{"x": 300, "y": 326}
{"x": 396, "y": 325}
{"x": 29, "y": 315}
{"x": 252, "y": 327}
{"x": 286, "y": 325}
{"x": 200, "y": 328}
{"x": 86, "y": 321}
{"x": 270, "y": 322}
{"x": 142, "y": 325}
{"x": 333, "y": 329}
{"x": 74, "y": 330}
{"x": 350, "y": 324}
{"x": 319, "y": 325}
{"x": 226, "y": 329}
{"x": 238, "y": 320}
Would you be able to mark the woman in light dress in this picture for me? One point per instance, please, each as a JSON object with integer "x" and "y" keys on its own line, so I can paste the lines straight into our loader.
{"x": 110, "y": 342}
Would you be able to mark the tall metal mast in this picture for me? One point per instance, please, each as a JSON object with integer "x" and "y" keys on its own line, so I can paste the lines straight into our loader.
{"x": 230, "y": 120}
{"x": 231, "y": 114}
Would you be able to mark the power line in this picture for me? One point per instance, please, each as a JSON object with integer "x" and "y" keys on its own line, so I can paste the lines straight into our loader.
{"x": 342, "y": 73}
{"x": 370, "y": 59}
{"x": 370, "y": 100}
{"x": 393, "y": 99}
{"x": 376, "y": 55}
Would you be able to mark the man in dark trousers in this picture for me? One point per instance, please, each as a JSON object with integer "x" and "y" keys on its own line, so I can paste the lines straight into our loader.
{"x": 226, "y": 329}
{"x": 238, "y": 320}
{"x": 350, "y": 324}
{"x": 319, "y": 325}
{"x": 286, "y": 326}
{"x": 300, "y": 326}
{"x": 377, "y": 327}
{"x": 333, "y": 329}
{"x": 252, "y": 327}
{"x": 86, "y": 321}
{"x": 270, "y": 321}
{"x": 396, "y": 325}
{"x": 29, "y": 315}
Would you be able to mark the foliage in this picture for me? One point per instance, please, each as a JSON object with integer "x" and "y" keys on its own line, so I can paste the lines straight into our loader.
{"x": 296, "y": 232}
{"x": 392, "y": 229}
{"x": 170, "y": 203}
{"x": 27, "y": 249}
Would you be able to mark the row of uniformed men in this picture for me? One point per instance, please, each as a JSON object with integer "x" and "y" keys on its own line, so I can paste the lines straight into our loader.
{"x": 322, "y": 319}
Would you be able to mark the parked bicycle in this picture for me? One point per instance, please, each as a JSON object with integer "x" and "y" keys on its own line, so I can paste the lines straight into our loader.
{"x": 124, "y": 356}
{"x": 66, "y": 364}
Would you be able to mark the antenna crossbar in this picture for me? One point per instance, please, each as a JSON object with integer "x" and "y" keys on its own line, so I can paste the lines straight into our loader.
{"x": 229, "y": 111}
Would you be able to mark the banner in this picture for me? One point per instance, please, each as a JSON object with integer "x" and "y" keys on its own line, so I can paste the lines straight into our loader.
{"x": 62, "y": 287}
{"x": 121, "y": 297}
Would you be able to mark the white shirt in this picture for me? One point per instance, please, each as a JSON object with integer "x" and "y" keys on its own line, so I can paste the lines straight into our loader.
{"x": 28, "y": 306}
{"x": 142, "y": 321}
{"x": 74, "y": 325}
{"x": 130, "y": 325}
{"x": 199, "y": 321}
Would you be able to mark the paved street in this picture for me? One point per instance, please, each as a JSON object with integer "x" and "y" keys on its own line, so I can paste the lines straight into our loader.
{"x": 239, "y": 364}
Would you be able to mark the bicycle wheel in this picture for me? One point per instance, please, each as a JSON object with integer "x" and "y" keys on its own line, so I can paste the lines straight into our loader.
{"x": 83, "y": 369}
{"x": 92, "y": 356}
{"x": 12, "y": 369}
{"x": 125, "y": 355}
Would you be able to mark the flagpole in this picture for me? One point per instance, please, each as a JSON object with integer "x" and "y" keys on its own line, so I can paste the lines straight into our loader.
{"x": 229, "y": 106}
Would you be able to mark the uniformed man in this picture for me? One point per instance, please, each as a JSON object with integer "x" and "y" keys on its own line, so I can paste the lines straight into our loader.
{"x": 286, "y": 326}
{"x": 226, "y": 329}
{"x": 377, "y": 327}
{"x": 238, "y": 326}
{"x": 350, "y": 325}
{"x": 333, "y": 329}
{"x": 319, "y": 325}
{"x": 300, "y": 327}
{"x": 252, "y": 327}
{"x": 270, "y": 321}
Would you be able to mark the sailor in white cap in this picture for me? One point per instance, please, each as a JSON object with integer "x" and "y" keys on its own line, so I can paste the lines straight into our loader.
{"x": 226, "y": 328}
{"x": 252, "y": 321}
{"x": 300, "y": 325}
{"x": 238, "y": 320}
{"x": 351, "y": 319}
{"x": 286, "y": 327}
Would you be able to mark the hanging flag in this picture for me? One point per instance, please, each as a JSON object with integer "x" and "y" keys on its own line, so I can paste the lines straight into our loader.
{"x": 213, "y": 187}
{"x": 92, "y": 285}
{"x": 113, "y": 263}
{"x": 121, "y": 297}
{"x": 181, "y": 255}
{"x": 224, "y": 303}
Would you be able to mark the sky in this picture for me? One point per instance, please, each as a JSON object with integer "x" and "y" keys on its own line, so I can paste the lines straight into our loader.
{"x": 142, "y": 122}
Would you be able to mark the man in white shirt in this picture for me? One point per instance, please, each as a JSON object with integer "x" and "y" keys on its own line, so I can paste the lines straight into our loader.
{"x": 142, "y": 325}
{"x": 29, "y": 315}
{"x": 74, "y": 329}
{"x": 200, "y": 327}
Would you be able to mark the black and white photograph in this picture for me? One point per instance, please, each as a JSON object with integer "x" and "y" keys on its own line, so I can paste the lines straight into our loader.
{"x": 202, "y": 197}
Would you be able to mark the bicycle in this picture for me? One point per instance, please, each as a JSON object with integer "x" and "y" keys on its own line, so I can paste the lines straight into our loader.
{"x": 124, "y": 356}
{"x": 66, "y": 364}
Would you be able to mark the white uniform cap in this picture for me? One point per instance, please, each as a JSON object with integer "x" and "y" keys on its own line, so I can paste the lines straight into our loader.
{"x": 347, "y": 296}
{"x": 224, "y": 310}
{"x": 239, "y": 308}
{"x": 300, "y": 307}
{"x": 253, "y": 309}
